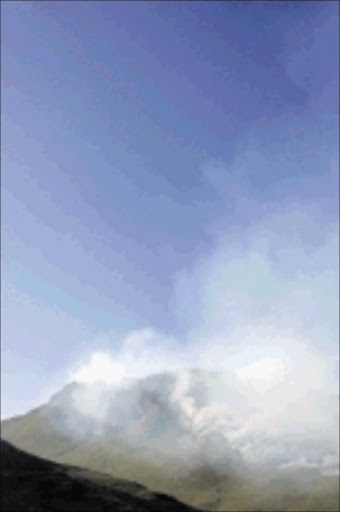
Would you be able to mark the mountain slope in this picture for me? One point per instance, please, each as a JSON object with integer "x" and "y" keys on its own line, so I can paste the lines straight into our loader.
{"x": 29, "y": 483}
{"x": 185, "y": 434}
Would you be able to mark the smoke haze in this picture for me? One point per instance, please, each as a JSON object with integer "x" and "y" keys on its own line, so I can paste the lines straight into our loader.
{"x": 261, "y": 309}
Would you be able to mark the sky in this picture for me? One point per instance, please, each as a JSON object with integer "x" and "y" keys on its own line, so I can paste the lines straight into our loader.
{"x": 169, "y": 189}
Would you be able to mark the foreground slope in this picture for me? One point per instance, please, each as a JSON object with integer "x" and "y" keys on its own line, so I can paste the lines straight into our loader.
{"x": 29, "y": 483}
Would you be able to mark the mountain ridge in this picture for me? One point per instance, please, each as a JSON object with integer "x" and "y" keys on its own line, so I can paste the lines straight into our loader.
{"x": 175, "y": 433}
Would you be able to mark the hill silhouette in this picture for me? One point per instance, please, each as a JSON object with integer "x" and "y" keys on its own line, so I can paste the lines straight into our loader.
{"x": 29, "y": 483}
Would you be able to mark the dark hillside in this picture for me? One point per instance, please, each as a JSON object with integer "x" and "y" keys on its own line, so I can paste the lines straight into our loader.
{"x": 29, "y": 483}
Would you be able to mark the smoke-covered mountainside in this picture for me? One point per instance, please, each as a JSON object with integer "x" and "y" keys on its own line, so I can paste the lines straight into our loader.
{"x": 192, "y": 434}
{"x": 29, "y": 483}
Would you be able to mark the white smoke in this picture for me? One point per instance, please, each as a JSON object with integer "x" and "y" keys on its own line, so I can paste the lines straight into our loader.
{"x": 263, "y": 309}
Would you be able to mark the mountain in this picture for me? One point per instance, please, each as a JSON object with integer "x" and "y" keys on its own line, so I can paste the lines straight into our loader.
{"x": 192, "y": 434}
{"x": 29, "y": 483}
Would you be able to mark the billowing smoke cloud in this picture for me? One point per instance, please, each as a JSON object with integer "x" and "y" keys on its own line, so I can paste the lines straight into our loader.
{"x": 263, "y": 309}
{"x": 268, "y": 290}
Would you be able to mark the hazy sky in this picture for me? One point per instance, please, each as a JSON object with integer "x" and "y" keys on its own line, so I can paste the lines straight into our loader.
{"x": 167, "y": 168}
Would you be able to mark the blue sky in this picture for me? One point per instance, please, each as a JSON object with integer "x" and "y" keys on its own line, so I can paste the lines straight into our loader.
{"x": 170, "y": 166}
